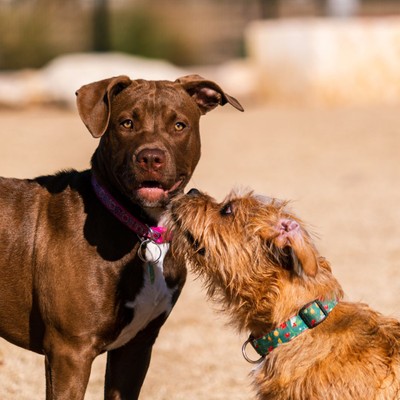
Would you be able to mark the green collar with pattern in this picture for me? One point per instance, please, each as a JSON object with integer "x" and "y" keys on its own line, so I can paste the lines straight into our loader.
{"x": 311, "y": 315}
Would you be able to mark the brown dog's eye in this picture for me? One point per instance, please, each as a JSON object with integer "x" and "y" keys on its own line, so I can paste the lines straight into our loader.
{"x": 127, "y": 124}
{"x": 227, "y": 209}
{"x": 180, "y": 126}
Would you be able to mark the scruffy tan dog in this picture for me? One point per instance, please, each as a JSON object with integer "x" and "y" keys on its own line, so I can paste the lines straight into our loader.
{"x": 258, "y": 260}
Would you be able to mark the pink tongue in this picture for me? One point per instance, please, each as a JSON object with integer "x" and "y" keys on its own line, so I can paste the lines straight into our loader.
{"x": 151, "y": 194}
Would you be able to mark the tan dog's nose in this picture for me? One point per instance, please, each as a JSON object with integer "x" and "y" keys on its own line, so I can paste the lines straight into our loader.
{"x": 151, "y": 159}
{"x": 193, "y": 192}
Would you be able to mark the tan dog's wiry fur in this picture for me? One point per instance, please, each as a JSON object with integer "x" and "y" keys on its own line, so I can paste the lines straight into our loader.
{"x": 258, "y": 260}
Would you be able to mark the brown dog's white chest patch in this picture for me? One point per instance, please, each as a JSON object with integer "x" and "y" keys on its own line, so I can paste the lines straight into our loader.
{"x": 154, "y": 299}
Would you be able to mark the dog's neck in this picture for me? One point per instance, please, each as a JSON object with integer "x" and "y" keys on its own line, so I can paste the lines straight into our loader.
{"x": 255, "y": 309}
{"x": 154, "y": 213}
{"x": 156, "y": 234}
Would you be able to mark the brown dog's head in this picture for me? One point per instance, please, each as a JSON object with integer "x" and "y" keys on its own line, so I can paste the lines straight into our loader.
{"x": 149, "y": 132}
{"x": 254, "y": 254}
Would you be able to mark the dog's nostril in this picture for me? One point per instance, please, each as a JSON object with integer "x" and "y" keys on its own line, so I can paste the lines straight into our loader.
{"x": 193, "y": 192}
{"x": 151, "y": 159}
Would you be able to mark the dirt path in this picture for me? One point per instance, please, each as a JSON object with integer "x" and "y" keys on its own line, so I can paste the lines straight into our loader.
{"x": 341, "y": 169}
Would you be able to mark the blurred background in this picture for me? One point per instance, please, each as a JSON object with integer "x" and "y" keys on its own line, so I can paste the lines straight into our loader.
{"x": 33, "y": 32}
{"x": 330, "y": 51}
{"x": 320, "y": 84}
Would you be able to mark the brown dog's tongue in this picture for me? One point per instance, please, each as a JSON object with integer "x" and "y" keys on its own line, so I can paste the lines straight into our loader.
{"x": 154, "y": 194}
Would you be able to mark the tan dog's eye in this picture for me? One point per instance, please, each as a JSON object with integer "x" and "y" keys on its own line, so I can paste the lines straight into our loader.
{"x": 180, "y": 126}
{"x": 127, "y": 124}
{"x": 227, "y": 209}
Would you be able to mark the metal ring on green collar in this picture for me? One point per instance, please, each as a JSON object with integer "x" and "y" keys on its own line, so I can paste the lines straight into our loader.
{"x": 246, "y": 357}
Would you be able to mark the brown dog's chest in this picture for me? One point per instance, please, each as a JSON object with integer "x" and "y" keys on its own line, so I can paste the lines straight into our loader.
{"x": 152, "y": 300}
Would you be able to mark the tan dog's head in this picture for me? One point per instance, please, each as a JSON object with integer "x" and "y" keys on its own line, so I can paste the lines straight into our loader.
{"x": 254, "y": 254}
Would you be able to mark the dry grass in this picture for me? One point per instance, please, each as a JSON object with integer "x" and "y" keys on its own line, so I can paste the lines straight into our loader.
{"x": 340, "y": 167}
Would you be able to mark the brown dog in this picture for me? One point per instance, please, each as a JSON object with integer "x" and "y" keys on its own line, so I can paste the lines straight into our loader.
{"x": 258, "y": 260}
{"x": 81, "y": 271}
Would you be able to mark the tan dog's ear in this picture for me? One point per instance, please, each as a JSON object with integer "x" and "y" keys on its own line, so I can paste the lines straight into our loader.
{"x": 304, "y": 257}
{"x": 293, "y": 246}
{"x": 93, "y": 101}
{"x": 206, "y": 94}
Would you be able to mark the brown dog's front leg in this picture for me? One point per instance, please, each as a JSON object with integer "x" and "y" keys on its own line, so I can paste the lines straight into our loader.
{"x": 126, "y": 370}
{"x": 127, "y": 366}
{"x": 67, "y": 372}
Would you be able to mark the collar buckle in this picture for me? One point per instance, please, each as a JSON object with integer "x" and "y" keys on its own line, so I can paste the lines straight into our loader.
{"x": 309, "y": 315}
{"x": 156, "y": 234}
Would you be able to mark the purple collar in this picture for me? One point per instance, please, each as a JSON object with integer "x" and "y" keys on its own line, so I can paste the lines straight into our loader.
{"x": 153, "y": 233}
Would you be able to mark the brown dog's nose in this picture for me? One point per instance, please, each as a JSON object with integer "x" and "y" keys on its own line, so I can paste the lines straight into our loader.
{"x": 151, "y": 159}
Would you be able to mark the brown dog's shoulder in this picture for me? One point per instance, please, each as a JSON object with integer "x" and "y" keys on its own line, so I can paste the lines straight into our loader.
{"x": 57, "y": 183}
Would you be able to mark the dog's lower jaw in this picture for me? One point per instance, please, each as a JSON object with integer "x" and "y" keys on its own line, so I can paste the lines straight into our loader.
{"x": 150, "y": 198}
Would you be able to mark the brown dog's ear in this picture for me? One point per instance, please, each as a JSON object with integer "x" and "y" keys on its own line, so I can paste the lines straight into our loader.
{"x": 93, "y": 101}
{"x": 206, "y": 94}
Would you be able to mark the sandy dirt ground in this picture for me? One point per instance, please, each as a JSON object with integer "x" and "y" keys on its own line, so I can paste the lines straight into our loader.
{"x": 339, "y": 166}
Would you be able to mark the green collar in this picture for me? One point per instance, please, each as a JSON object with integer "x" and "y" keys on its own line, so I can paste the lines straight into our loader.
{"x": 311, "y": 315}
